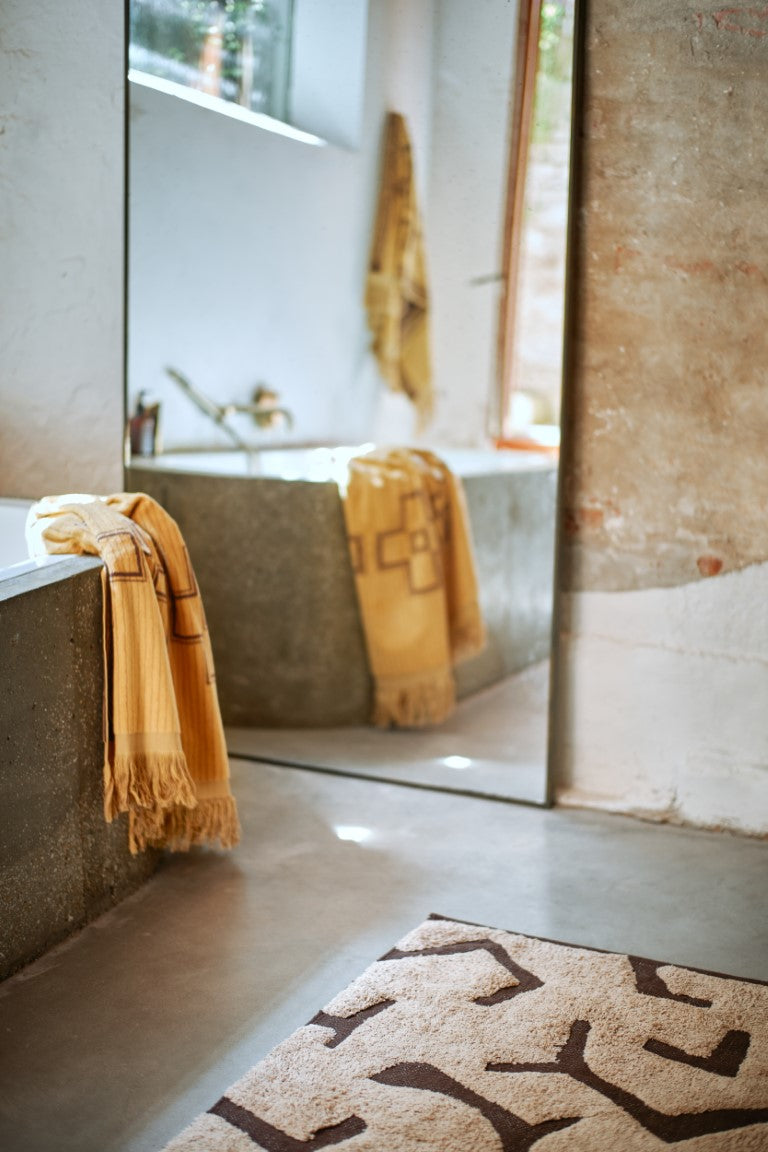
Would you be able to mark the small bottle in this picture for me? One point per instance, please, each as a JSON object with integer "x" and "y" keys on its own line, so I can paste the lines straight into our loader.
{"x": 143, "y": 427}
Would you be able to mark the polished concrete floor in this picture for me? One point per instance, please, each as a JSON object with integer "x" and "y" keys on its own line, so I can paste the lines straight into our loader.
{"x": 495, "y": 744}
{"x": 115, "y": 1040}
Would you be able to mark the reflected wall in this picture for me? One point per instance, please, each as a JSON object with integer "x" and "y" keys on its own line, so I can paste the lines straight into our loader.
{"x": 248, "y": 252}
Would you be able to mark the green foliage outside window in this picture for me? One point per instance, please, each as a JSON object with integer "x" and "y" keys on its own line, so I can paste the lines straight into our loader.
{"x": 553, "y": 78}
{"x": 169, "y": 38}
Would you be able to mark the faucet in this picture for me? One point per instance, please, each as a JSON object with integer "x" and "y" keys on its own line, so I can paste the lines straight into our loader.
{"x": 263, "y": 408}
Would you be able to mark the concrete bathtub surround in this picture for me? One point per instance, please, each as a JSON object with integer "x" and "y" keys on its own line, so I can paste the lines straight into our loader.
{"x": 266, "y": 537}
{"x": 60, "y": 863}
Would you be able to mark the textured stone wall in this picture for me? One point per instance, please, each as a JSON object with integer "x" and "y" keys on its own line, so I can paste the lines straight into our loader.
{"x": 668, "y": 410}
{"x": 663, "y": 655}
{"x": 60, "y": 863}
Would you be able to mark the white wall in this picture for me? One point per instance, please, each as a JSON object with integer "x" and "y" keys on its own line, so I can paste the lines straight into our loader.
{"x": 245, "y": 264}
{"x": 248, "y": 252}
{"x": 474, "y": 55}
{"x": 663, "y": 701}
{"x": 407, "y": 53}
{"x": 328, "y": 68}
{"x": 61, "y": 247}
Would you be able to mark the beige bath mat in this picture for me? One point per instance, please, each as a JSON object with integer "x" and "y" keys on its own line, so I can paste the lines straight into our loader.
{"x": 470, "y": 1039}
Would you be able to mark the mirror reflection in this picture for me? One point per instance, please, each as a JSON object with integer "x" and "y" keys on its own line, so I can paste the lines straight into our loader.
{"x": 253, "y": 379}
{"x": 237, "y": 51}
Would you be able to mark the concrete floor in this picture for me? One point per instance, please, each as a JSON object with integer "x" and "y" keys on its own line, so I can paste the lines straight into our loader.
{"x": 115, "y": 1040}
{"x": 495, "y": 744}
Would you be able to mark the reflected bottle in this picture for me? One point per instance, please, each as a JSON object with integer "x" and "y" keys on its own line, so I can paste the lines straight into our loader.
{"x": 143, "y": 427}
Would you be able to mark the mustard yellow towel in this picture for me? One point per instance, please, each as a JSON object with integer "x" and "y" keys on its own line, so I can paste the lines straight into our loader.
{"x": 165, "y": 757}
{"x": 396, "y": 296}
{"x": 412, "y": 557}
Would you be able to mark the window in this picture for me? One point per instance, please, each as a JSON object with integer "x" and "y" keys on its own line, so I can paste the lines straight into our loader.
{"x": 292, "y": 66}
{"x": 236, "y": 50}
{"x": 537, "y": 215}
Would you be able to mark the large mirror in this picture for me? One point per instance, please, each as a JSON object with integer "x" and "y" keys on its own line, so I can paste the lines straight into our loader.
{"x": 251, "y": 379}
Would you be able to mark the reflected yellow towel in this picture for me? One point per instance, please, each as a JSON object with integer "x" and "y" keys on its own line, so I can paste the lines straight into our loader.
{"x": 412, "y": 556}
{"x": 165, "y": 757}
{"x": 396, "y": 296}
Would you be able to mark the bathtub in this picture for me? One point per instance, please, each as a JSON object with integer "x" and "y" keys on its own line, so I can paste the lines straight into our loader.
{"x": 329, "y": 464}
{"x": 60, "y": 863}
{"x": 14, "y": 559}
{"x": 265, "y": 533}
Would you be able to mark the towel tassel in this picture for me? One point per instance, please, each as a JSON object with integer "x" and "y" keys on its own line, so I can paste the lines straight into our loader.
{"x": 156, "y": 780}
{"x": 179, "y": 828}
{"x": 414, "y": 702}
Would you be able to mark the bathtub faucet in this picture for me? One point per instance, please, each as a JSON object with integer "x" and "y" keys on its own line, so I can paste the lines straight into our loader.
{"x": 263, "y": 408}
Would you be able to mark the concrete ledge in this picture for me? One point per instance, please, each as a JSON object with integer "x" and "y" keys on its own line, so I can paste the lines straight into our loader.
{"x": 60, "y": 863}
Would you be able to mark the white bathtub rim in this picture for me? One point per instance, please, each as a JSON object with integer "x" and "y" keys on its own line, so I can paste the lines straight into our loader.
{"x": 23, "y": 578}
{"x": 329, "y": 464}
{"x": 14, "y": 557}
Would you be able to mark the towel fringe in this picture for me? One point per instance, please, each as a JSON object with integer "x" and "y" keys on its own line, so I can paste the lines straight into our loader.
{"x": 179, "y": 828}
{"x": 147, "y": 781}
{"x": 414, "y": 703}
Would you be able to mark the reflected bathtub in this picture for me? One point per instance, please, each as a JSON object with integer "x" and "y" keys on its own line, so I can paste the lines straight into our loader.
{"x": 265, "y": 532}
{"x": 327, "y": 463}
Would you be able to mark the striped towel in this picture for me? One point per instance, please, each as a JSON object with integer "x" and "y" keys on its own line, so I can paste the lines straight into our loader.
{"x": 165, "y": 757}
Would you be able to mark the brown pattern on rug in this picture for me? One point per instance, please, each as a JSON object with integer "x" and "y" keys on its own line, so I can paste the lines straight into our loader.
{"x": 470, "y": 1039}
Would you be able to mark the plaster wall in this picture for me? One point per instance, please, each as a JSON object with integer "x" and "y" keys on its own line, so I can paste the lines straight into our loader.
{"x": 665, "y": 713}
{"x": 327, "y": 79}
{"x": 664, "y": 646}
{"x": 669, "y": 406}
{"x": 248, "y": 254}
{"x": 61, "y": 247}
{"x": 248, "y": 251}
{"x": 473, "y": 60}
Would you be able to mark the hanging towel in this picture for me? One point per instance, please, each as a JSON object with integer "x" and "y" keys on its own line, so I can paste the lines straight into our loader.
{"x": 165, "y": 757}
{"x": 396, "y": 296}
{"x": 411, "y": 554}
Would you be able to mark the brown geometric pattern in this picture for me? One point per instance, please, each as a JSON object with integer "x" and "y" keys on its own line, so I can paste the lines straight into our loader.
{"x": 469, "y": 1039}
{"x": 414, "y": 543}
{"x": 121, "y": 551}
{"x": 176, "y": 581}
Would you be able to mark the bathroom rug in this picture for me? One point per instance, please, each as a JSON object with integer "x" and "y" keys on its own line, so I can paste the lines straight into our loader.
{"x": 471, "y": 1039}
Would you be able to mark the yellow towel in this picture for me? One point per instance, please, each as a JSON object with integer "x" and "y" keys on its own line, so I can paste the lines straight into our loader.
{"x": 396, "y": 295}
{"x": 411, "y": 553}
{"x": 165, "y": 757}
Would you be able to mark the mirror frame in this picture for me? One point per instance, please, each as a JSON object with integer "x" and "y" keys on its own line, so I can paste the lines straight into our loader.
{"x": 571, "y": 325}
{"x": 519, "y": 103}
